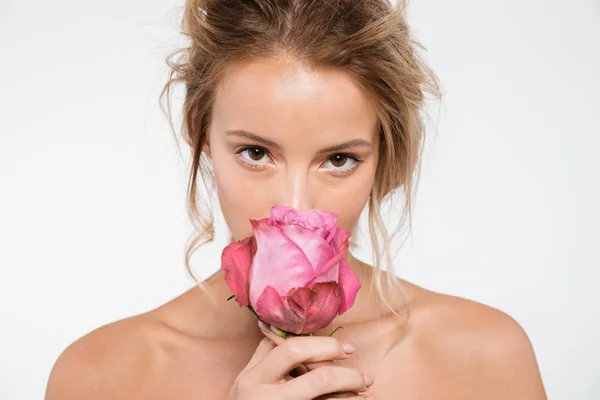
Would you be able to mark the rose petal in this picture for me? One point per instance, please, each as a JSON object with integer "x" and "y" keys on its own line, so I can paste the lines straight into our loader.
{"x": 330, "y": 271}
{"x": 340, "y": 238}
{"x": 314, "y": 247}
{"x": 275, "y": 252}
{"x": 236, "y": 260}
{"x": 331, "y": 275}
{"x": 349, "y": 285}
{"x": 320, "y": 222}
{"x": 304, "y": 310}
{"x": 334, "y": 260}
{"x": 273, "y": 309}
{"x": 320, "y": 304}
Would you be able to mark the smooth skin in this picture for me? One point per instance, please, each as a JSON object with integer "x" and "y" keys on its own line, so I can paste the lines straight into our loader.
{"x": 264, "y": 376}
{"x": 282, "y": 133}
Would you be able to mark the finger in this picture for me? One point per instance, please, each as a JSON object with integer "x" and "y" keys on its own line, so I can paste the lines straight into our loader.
{"x": 299, "y": 370}
{"x": 327, "y": 381}
{"x": 269, "y": 333}
{"x": 309, "y": 366}
{"x": 298, "y": 350}
{"x": 263, "y": 348}
{"x": 302, "y": 368}
{"x": 314, "y": 365}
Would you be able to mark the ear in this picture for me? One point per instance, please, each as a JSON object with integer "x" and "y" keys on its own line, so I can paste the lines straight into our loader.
{"x": 206, "y": 147}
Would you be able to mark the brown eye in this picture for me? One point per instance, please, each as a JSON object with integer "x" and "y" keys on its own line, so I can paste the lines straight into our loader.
{"x": 256, "y": 153}
{"x": 342, "y": 164}
{"x": 253, "y": 156}
{"x": 339, "y": 160}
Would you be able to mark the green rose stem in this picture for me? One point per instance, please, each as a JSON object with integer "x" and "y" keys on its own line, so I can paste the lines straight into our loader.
{"x": 278, "y": 331}
{"x": 335, "y": 330}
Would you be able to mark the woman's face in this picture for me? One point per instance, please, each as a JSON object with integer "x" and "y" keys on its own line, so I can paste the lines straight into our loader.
{"x": 284, "y": 134}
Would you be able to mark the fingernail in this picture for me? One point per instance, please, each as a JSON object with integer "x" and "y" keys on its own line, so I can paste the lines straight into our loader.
{"x": 368, "y": 380}
{"x": 348, "y": 348}
{"x": 266, "y": 332}
{"x": 263, "y": 327}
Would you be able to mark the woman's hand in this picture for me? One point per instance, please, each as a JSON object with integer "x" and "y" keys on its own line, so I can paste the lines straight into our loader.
{"x": 309, "y": 366}
{"x": 264, "y": 377}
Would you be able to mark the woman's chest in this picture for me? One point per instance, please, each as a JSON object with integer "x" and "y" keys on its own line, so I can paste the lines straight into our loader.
{"x": 409, "y": 376}
{"x": 404, "y": 382}
{"x": 401, "y": 373}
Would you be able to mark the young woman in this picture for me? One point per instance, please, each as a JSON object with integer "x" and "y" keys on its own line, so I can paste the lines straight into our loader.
{"x": 315, "y": 105}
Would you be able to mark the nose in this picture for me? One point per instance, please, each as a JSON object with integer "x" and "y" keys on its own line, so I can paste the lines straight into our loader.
{"x": 295, "y": 191}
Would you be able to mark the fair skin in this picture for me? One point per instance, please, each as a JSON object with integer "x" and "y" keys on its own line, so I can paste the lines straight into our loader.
{"x": 190, "y": 348}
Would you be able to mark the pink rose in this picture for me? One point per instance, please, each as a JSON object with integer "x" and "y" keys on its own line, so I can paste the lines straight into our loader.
{"x": 292, "y": 272}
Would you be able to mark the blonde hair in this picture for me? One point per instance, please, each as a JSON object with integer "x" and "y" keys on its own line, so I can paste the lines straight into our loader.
{"x": 368, "y": 39}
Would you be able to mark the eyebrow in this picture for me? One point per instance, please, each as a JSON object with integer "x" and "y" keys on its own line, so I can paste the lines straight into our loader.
{"x": 270, "y": 143}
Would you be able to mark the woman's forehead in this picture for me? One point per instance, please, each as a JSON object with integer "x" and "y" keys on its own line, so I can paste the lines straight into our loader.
{"x": 275, "y": 96}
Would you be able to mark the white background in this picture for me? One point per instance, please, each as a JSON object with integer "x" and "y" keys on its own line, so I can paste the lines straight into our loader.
{"x": 92, "y": 188}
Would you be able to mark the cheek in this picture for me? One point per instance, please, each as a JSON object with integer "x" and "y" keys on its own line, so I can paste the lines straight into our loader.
{"x": 239, "y": 198}
{"x": 229, "y": 193}
{"x": 350, "y": 207}
{"x": 349, "y": 200}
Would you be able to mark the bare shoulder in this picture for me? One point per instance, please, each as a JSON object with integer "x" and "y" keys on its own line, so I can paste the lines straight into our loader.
{"x": 108, "y": 362}
{"x": 475, "y": 340}
{"x": 168, "y": 352}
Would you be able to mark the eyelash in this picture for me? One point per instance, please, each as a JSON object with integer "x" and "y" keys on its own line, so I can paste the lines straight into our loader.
{"x": 357, "y": 161}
